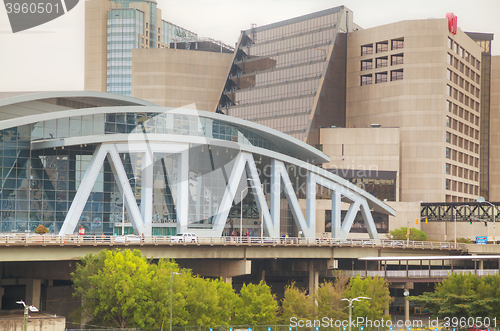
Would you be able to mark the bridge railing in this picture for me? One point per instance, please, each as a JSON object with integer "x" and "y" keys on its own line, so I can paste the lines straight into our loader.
{"x": 419, "y": 273}
{"x": 51, "y": 239}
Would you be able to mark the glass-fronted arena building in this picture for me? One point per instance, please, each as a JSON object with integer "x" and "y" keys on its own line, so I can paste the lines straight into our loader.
{"x": 113, "y": 164}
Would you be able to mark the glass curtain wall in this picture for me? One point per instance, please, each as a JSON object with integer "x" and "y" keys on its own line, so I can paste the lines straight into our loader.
{"x": 277, "y": 70}
{"x": 124, "y": 27}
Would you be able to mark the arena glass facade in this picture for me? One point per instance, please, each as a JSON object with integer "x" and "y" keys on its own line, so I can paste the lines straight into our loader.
{"x": 113, "y": 164}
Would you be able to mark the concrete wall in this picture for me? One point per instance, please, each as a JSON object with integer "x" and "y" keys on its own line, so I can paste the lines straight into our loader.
{"x": 495, "y": 129}
{"x": 177, "y": 78}
{"x": 363, "y": 149}
{"x": 95, "y": 44}
{"x": 13, "y": 322}
{"x": 417, "y": 104}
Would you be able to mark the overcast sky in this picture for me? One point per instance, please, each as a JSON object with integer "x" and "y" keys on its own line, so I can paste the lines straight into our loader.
{"x": 50, "y": 57}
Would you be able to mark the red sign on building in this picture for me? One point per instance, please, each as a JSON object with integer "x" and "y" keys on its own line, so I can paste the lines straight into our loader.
{"x": 452, "y": 22}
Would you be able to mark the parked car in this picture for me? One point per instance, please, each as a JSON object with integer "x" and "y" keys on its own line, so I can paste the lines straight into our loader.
{"x": 184, "y": 238}
{"x": 128, "y": 238}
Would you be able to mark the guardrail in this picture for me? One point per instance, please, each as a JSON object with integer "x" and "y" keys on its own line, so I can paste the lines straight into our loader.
{"x": 44, "y": 240}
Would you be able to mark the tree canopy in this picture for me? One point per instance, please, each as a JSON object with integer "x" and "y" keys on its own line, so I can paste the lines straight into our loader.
{"x": 122, "y": 289}
{"x": 327, "y": 300}
{"x": 463, "y": 296}
{"x": 415, "y": 234}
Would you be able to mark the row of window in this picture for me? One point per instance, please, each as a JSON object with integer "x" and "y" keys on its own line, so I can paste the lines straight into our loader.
{"x": 456, "y": 186}
{"x": 463, "y": 54}
{"x": 462, "y": 157}
{"x": 462, "y": 98}
{"x": 462, "y": 142}
{"x": 462, "y": 127}
{"x": 382, "y": 46}
{"x": 462, "y": 113}
{"x": 381, "y": 62}
{"x": 464, "y": 69}
{"x": 382, "y": 77}
{"x": 465, "y": 173}
{"x": 465, "y": 84}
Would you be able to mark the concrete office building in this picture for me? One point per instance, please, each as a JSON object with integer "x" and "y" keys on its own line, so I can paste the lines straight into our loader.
{"x": 190, "y": 73}
{"x": 416, "y": 76}
{"x": 112, "y": 30}
{"x": 423, "y": 79}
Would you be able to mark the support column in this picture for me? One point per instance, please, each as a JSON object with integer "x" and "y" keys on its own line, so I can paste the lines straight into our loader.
{"x": 407, "y": 304}
{"x": 228, "y": 279}
{"x": 33, "y": 292}
{"x": 313, "y": 278}
{"x": 263, "y": 275}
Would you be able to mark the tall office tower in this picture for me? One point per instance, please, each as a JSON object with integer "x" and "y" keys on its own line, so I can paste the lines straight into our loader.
{"x": 290, "y": 75}
{"x": 424, "y": 77}
{"x": 112, "y": 30}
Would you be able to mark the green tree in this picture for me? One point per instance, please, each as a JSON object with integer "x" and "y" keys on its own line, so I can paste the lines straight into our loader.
{"x": 415, "y": 234}
{"x": 463, "y": 296}
{"x": 375, "y": 288}
{"x": 255, "y": 305}
{"x": 160, "y": 293}
{"x": 296, "y": 303}
{"x": 328, "y": 297}
{"x": 116, "y": 290}
{"x": 227, "y": 301}
{"x": 89, "y": 266}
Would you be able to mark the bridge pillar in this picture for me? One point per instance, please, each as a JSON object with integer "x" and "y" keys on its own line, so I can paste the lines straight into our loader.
{"x": 313, "y": 278}
{"x": 33, "y": 292}
{"x": 407, "y": 303}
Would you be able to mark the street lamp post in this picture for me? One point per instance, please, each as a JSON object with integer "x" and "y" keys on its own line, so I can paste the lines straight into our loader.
{"x": 26, "y": 308}
{"x": 456, "y": 223}
{"x": 350, "y": 307}
{"x": 171, "y": 287}
{"x": 123, "y": 203}
{"x": 408, "y": 225}
{"x": 480, "y": 200}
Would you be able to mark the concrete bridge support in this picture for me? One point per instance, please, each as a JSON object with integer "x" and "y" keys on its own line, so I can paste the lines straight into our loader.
{"x": 313, "y": 278}
{"x": 227, "y": 269}
{"x": 33, "y": 292}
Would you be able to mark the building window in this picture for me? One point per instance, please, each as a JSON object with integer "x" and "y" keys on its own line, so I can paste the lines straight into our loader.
{"x": 397, "y": 43}
{"x": 396, "y": 74}
{"x": 366, "y": 49}
{"x": 447, "y": 168}
{"x": 381, "y": 77}
{"x": 448, "y": 184}
{"x": 382, "y": 46}
{"x": 396, "y": 59}
{"x": 450, "y": 43}
{"x": 381, "y": 62}
{"x": 366, "y": 64}
{"x": 366, "y": 80}
{"x": 447, "y": 152}
{"x": 448, "y": 137}
{"x": 448, "y": 120}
